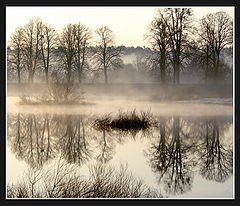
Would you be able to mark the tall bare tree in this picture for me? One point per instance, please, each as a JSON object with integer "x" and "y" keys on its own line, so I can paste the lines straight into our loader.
{"x": 82, "y": 40}
{"x": 48, "y": 38}
{"x": 159, "y": 39}
{"x": 106, "y": 54}
{"x": 15, "y": 54}
{"x": 216, "y": 32}
{"x": 31, "y": 46}
{"x": 178, "y": 21}
{"x": 67, "y": 46}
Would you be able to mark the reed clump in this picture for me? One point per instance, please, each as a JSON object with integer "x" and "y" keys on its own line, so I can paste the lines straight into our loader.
{"x": 125, "y": 121}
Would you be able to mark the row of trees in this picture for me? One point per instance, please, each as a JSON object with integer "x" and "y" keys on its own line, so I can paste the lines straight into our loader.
{"x": 175, "y": 43}
{"x": 37, "y": 44}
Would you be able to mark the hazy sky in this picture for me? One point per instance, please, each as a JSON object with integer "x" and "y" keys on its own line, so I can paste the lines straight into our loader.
{"x": 129, "y": 24}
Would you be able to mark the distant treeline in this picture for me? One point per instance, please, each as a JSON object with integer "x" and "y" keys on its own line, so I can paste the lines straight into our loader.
{"x": 175, "y": 44}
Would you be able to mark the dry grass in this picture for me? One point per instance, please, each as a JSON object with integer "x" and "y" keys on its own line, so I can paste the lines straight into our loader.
{"x": 63, "y": 182}
{"x": 130, "y": 121}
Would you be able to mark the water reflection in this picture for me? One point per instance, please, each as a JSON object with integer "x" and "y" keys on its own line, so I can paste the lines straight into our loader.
{"x": 170, "y": 157}
{"x": 216, "y": 159}
{"x": 72, "y": 138}
{"x": 39, "y": 138}
{"x": 184, "y": 147}
{"x": 31, "y": 139}
{"x": 179, "y": 147}
{"x": 106, "y": 148}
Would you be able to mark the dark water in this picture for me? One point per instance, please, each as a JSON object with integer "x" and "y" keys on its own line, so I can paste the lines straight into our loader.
{"x": 180, "y": 156}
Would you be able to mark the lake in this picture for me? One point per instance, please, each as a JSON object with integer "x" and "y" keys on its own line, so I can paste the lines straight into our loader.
{"x": 187, "y": 153}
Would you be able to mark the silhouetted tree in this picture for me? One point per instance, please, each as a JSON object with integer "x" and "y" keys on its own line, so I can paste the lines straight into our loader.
{"x": 106, "y": 54}
{"x": 67, "y": 47}
{"x": 48, "y": 41}
{"x": 178, "y": 21}
{"x": 82, "y": 38}
{"x": 216, "y": 32}
{"x": 159, "y": 38}
{"x": 15, "y": 52}
{"x": 31, "y": 46}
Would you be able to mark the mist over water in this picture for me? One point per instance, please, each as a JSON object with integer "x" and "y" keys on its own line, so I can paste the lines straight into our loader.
{"x": 184, "y": 100}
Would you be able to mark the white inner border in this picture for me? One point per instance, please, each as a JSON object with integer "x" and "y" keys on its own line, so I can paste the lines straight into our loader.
{"x": 233, "y": 112}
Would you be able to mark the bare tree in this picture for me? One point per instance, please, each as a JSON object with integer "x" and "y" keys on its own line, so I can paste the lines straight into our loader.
{"x": 67, "y": 43}
{"x": 178, "y": 21}
{"x": 216, "y": 32}
{"x": 106, "y": 54}
{"x": 32, "y": 46}
{"x": 159, "y": 39}
{"x": 199, "y": 60}
{"x": 82, "y": 38}
{"x": 15, "y": 54}
{"x": 48, "y": 38}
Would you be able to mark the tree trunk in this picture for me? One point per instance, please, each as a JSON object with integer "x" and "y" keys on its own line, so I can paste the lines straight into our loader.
{"x": 79, "y": 76}
{"x": 69, "y": 74}
{"x": 207, "y": 64}
{"x": 105, "y": 74}
{"x": 163, "y": 68}
{"x": 19, "y": 75}
{"x": 216, "y": 73}
{"x": 46, "y": 73}
{"x": 81, "y": 66}
{"x": 104, "y": 65}
{"x": 18, "y": 65}
{"x": 80, "y": 69}
{"x": 30, "y": 77}
{"x": 176, "y": 75}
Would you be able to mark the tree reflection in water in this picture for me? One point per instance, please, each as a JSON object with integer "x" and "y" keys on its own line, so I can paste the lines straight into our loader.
{"x": 183, "y": 147}
{"x": 216, "y": 159}
{"x": 181, "y": 150}
{"x": 72, "y": 138}
{"x": 39, "y": 138}
{"x": 106, "y": 149}
{"x": 31, "y": 139}
{"x": 169, "y": 158}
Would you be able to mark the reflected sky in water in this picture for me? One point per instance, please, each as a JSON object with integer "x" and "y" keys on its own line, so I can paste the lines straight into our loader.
{"x": 181, "y": 156}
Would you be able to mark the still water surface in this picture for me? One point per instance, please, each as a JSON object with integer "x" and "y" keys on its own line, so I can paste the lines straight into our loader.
{"x": 181, "y": 156}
